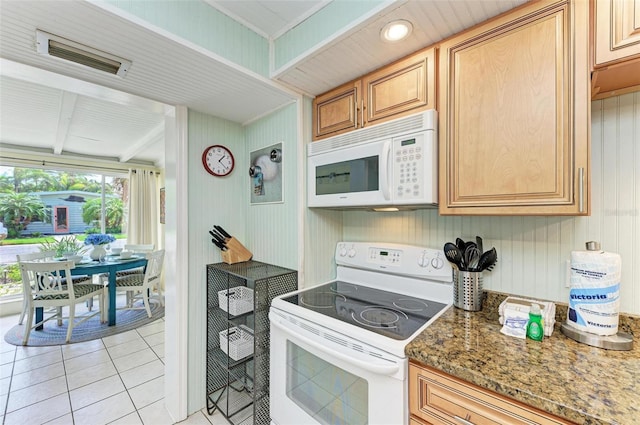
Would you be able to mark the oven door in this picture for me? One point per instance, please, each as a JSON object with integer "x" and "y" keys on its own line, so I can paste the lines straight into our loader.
{"x": 322, "y": 377}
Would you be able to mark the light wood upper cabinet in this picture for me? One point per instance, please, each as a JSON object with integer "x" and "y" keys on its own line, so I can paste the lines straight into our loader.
{"x": 616, "y": 47}
{"x": 441, "y": 399}
{"x": 402, "y": 88}
{"x": 336, "y": 111}
{"x": 406, "y": 86}
{"x": 514, "y": 114}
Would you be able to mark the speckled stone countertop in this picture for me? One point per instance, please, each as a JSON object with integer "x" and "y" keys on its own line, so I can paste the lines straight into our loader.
{"x": 583, "y": 384}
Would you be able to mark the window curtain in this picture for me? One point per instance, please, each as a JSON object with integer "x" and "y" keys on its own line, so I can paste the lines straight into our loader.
{"x": 143, "y": 207}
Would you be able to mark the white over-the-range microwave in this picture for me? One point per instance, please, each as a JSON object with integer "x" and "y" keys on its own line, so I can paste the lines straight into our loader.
{"x": 393, "y": 165}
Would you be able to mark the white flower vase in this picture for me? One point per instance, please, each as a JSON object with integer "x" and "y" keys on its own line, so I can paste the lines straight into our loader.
{"x": 98, "y": 252}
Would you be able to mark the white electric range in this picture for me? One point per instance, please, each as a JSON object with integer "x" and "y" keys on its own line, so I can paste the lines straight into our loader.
{"x": 337, "y": 349}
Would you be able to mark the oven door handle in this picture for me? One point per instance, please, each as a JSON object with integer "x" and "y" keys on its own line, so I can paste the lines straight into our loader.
{"x": 379, "y": 369}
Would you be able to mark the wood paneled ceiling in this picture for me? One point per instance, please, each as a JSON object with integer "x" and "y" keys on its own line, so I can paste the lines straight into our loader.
{"x": 170, "y": 71}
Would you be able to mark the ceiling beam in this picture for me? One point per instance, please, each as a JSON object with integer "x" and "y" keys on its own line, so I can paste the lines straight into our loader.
{"x": 145, "y": 141}
{"x": 67, "y": 107}
{"x": 46, "y": 78}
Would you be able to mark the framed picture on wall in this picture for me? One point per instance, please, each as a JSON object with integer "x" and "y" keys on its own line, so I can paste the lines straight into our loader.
{"x": 265, "y": 170}
{"x": 162, "y": 201}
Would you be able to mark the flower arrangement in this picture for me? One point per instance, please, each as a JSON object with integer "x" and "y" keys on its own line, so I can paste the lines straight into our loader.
{"x": 98, "y": 239}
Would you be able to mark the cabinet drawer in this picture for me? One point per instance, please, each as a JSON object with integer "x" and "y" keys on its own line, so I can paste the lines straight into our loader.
{"x": 437, "y": 398}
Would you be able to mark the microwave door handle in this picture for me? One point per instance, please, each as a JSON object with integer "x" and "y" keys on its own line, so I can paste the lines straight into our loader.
{"x": 380, "y": 369}
{"x": 385, "y": 173}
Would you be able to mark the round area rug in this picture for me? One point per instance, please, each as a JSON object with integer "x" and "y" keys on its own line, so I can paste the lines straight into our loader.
{"x": 52, "y": 334}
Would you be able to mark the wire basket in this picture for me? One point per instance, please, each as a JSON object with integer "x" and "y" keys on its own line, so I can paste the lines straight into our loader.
{"x": 237, "y": 300}
{"x": 237, "y": 342}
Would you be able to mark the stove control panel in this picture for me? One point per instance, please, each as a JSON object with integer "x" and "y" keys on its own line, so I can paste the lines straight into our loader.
{"x": 400, "y": 259}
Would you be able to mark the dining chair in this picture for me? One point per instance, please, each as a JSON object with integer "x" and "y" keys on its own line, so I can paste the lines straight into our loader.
{"x": 39, "y": 256}
{"x": 49, "y": 286}
{"x": 141, "y": 285}
{"x": 136, "y": 249}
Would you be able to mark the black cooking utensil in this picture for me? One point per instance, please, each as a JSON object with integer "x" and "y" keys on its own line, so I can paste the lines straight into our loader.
{"x": 460, "y": 244}
{"x": 479, "y": 244}
{"x": 454, "y": 255}
{"x": 487, "y": 260}
{"x": 221, "y": 230}
{"x": 472, "y": 258}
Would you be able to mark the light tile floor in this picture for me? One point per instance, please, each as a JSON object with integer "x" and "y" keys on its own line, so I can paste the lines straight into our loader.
{"x": 114, "y": 380}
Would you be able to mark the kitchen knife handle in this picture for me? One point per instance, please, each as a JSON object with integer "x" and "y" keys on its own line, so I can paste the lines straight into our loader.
{"x": 581, "y": 188}
{"x": 221, "y": 230}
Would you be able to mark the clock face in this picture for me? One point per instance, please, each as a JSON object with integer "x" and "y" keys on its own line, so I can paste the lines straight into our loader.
{"x": 218, "y": 160}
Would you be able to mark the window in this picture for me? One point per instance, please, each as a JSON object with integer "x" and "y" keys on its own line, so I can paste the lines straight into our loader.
{"x": 43, "y": 205}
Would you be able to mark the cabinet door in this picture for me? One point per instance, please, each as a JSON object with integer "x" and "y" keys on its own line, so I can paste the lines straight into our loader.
{"x": 437, "y": 398}
{"x": 336, "y": 111}
{"x": 515, "y": 114}
{"x": 402, "y": 88}
{"x": 617, "y": 30}
{"x": 616, "y": 41}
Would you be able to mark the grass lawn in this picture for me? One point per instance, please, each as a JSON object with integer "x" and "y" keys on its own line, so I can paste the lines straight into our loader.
{"x": 48, "y": 238}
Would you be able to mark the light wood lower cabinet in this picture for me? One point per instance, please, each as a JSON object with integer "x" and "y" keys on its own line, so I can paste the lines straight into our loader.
{"x": 514, "y": 114}
{"x": 440, "y": 399}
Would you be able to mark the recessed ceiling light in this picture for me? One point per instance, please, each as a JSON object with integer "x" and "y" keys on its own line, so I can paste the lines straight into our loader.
{"x": 396, "y": 30}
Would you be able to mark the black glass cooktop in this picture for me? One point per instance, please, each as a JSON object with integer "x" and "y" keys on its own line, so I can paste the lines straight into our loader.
{"x": 393, "y": 315}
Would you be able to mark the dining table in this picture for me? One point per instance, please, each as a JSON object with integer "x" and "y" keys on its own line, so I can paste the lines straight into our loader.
{"x": 110, "y": 265}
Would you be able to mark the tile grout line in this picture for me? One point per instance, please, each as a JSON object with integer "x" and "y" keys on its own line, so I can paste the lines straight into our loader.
{"x": 6, "y": 403}
{"x": 30, "y": 355}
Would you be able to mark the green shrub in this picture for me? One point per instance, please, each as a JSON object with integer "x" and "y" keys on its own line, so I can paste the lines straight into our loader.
{"x": 65, "y": 245}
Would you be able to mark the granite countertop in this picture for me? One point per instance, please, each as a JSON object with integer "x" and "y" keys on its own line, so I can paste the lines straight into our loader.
{"x": 583, "y": 384}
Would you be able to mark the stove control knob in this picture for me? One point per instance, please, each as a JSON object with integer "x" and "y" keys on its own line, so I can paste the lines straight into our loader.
{"x": 423, "y": 261}
{"x": 343, "y": 251}
{"x": 352, "y": 253}
{"x": 437, "y": 263}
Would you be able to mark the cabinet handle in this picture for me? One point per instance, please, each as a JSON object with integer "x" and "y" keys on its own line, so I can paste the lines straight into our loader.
{"x": 362, "y": 111}
{"x": 463, "y": 421}
{"x": 581, "y": 188}
{"x": 355, "y": 111}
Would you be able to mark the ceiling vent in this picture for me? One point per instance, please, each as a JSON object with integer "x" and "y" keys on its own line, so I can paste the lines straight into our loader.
{"x": 52, "y": 45}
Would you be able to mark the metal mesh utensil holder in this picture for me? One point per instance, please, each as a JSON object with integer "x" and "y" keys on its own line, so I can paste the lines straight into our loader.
{"x": 467, "y": 290}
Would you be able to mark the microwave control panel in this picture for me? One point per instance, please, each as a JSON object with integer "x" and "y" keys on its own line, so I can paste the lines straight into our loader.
{"x": 412, "y": 157}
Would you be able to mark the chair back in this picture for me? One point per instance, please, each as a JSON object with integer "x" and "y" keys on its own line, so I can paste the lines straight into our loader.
{"x": 139, "y": 248}
{"x": 39, "y": 256}
{"x": 36, "y": 256}
{"x": 153, "y": 270}
{"x": 47, "y": 279}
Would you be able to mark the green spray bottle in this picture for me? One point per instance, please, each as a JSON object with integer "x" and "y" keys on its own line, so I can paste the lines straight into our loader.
{"x": 535, "y": 327}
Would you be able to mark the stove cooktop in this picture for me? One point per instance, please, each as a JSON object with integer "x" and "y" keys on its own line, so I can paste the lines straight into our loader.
{"x": 386, "y": 313}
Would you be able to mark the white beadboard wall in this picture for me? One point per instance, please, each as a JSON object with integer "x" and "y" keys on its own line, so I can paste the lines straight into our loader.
{"x": 272, "y": 229}
{"x": 533, "y": 251}
{"x": 212, "y": 200}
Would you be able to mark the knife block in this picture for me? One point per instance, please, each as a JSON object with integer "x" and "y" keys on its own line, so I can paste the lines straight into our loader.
{"x": 236, "y": 252}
